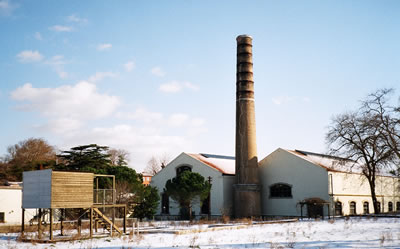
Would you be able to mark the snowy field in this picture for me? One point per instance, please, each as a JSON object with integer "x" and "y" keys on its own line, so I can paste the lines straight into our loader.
{"x": 339, "y": 233}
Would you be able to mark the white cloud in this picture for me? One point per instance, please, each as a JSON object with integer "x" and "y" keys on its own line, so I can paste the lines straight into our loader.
{"x": 151, "y": 134}
{"x": 141, "y": 114}
{"x": 99, "y": 76}
{"x": 6, "y": 7}
{"x": 170, "y": 87}
{"x": 61, "y": 28}
{"x": 178, "y": 119}
{"x": 28, "y": 56}
{"x": 279, "y": 100}
{"x": 104, "y": 46}
{"x": 157, "y": 71}
{"x": 38, "y": 36}
{"x": 176, "y": 86}
{"x": 61, "y": 125}
{"x": 67, "y": 111}
{"x": 141, "y": 143}
{"x": 129, "y": 66}
{"x": 81, "y": 101}
{"x": 4, "y": 4}
{"x": 197, "y": 121}
{"x": 76, "y": 19}
{"x": 190, "y": 86}
{"x": 57, "y": 62}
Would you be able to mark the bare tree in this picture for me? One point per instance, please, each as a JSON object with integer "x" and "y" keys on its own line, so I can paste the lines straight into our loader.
{"x": 358, "y": 136}
{"x": 118, "y": 157}
{"x": 155, "y": 164}
{"x": 388, "y": 118}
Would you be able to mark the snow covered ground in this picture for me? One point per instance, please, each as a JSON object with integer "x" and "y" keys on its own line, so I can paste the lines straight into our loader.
{"x": 339, "y": 233}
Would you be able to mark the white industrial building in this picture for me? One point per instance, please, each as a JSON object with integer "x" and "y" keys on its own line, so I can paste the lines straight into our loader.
{"x": 288, "y": 178}
{"x": 219, "y": 169}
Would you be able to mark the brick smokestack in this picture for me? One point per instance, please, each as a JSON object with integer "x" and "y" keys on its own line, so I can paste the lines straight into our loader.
{"x": 247, "y": 188}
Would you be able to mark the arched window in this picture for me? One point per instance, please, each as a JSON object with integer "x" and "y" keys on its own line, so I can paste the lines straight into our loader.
{"x": 280, "y": 190}
{"x": 378, "y": 205}
{"x": 353, "y": 208}
{"x": 390, "y": 206}
{"x": 338, "y": 208}
{"x": 164, "y": 203}
{"x": 398, "y": 206}
{"x": 183, "y": 168}
{"x": 366, "y": 207}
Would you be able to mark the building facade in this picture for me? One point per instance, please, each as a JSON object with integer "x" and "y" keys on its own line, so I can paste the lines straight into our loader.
{"x": 219, "y": 170}
{"x": 287, "y": 178}
{"x": 10, "y": 207}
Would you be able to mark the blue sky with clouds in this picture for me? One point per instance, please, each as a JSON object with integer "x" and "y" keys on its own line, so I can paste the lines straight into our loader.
{"x": 158, "y": 77}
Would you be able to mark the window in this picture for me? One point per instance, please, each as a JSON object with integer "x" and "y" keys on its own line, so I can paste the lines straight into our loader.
{"x": 164, "y": 203}
{"x": 280, "y": 190}
{"x": 205, "y": 207}
{"x": 2, "y": 217}
{"x": 378, "y": 205}
{"x": 390, "y": 206}
{"x": 398, "y": 206}
{"x": 353, "y": 208}
{"x": 366, "y": 207}
{"x": 338, "y": 208}
{"x": 182, "y": 169}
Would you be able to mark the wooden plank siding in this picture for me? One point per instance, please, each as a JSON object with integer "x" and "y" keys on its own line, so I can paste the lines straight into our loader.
{"x": 71, "y": 189}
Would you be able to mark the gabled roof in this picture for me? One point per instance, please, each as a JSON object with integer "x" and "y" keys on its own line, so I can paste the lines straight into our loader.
{"x": 330, "y": 163}
{"x": 224, "y": 164}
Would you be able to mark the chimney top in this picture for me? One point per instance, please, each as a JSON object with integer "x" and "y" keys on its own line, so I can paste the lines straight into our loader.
{"x": 244, "y": 36}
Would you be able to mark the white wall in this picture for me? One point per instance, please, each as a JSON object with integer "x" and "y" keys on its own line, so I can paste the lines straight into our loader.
{"x": 10, "y": 204}
{"x": 347, "y": 187}
{"x": 307, "y": 180}
{"x": 217, "y": 190}
{"x": 227, "y": 208}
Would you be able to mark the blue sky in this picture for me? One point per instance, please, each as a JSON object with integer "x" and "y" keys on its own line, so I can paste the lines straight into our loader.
{"x": 158, "y": 77}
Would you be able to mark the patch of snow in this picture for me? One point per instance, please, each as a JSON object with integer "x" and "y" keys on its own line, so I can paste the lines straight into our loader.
{"x": 338, "y": 233}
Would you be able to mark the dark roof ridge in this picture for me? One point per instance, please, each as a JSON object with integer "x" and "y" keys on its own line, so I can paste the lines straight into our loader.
{"x": 217, "y": 156}
{"x": 322, "y": 155}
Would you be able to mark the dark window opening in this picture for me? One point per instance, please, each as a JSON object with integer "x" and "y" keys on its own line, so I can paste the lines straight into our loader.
{"x": 182, "y": 169}
{"x": 338, "y": 208}
{"x": 164, "y": 203}
{"x": 390, "y": 206}
{"x": 281, "y": 190}
{"x": 205, "y": 207}
{"x": 398, "y": 206}
{"x": 366, "y": 207}
{"x": 378, "y": 205}
{"x": 2, "y": 217}
{"x": 353, "y": 208}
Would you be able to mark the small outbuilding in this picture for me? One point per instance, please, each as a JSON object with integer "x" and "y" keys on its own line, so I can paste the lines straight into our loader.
{"x": 54, "y": 192}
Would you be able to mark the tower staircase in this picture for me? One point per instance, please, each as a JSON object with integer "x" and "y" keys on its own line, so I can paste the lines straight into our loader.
{"x": 105, "y": 222}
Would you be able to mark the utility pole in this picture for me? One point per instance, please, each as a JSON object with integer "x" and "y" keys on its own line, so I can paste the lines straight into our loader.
{"x": 209, "y": 199}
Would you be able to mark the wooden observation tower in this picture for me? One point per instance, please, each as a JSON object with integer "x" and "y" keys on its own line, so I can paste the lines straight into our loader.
{"x": 53, "y": 193}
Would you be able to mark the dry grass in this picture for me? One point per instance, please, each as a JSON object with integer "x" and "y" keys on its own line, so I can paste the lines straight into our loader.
{"x": 275, "y": 246}
{"x": 225, "y": 219}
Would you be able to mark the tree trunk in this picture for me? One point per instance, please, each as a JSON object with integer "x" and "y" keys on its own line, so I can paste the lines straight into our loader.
{"x": 373, "y": 196}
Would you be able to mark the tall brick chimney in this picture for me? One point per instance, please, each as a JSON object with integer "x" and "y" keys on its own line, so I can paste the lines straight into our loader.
{"x": 247, "y": 188}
